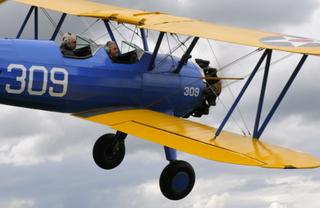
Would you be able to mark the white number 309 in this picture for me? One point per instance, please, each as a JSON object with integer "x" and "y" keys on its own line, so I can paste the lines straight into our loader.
{"x": 20, "y": 88}
{"x": 191, "y": 91}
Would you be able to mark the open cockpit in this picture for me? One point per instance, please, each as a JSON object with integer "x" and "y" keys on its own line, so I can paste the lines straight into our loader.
{"x": 84, "y": 48}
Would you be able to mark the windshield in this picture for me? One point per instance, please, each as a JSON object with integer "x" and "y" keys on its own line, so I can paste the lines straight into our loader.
{"x": 127, "y": 47}
{"x": 85, "y": 42}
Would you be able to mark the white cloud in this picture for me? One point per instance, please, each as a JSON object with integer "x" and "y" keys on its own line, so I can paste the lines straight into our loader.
{"x": 26, "y": 152}
{"x": 215, "y": 201}
{"x": 18, "y": 203}
{"x": 31, "y": 139}
{"x": 277, "y": 205}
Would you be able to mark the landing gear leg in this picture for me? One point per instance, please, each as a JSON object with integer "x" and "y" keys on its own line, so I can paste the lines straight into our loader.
{"x": 177, "y": 178}
{"x": 109, "y": 150}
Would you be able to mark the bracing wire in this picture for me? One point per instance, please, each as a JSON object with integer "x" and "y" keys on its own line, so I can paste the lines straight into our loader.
{"x": 182, "y": 43}
{"x": 133, "y": 33}
{"x": 229, "y": 89}
{"x": 263, "y": 67}
{"x": 89, "y": 27}
{"x": 116, "y": 29}
{"x": 174, "y": 50}
{"x": 105, "y": 34}
{"x": 54, "y": 24}
{"x": 214, "y": 54}
{"x": 226, "y": 109}
{"x": 240, "y": 59}
{"x": 170, "y": 53}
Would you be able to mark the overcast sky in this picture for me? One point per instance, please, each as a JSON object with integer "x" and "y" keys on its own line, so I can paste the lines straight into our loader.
{"x": 45, "y": 157}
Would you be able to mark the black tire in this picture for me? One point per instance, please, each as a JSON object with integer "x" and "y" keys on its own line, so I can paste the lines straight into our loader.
{"x": 108, "y": 152}
{"x": 177, "y": 180}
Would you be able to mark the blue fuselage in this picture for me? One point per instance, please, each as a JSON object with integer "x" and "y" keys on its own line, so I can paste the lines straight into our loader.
{"x": 34, "y": 74}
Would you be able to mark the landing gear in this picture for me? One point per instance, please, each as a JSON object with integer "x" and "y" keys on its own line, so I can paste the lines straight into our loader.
{"x": 109, "y": 150}
{"x": 177, "y": 180}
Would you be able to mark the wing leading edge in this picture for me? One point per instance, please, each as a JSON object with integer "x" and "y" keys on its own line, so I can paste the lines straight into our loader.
{"x": 197, "y": 139}
{"x": 180, "y": 25}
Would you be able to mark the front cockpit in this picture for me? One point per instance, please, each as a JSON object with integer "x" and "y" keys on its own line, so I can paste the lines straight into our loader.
{"x": 84, "y": 48}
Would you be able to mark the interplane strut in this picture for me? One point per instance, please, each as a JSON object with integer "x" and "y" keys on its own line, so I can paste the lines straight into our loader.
{"x": 259, "y": 130}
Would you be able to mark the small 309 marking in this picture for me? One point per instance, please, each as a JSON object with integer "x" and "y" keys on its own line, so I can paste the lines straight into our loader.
{"x": 191, "y": 91}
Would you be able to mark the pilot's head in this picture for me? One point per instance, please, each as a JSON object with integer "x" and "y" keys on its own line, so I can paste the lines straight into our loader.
{"x": 112, "y": 49}
{"x": 69, "y": 40}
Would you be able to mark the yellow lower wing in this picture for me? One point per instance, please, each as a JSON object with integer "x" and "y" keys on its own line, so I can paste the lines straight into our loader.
{"x": 197, "y": 139}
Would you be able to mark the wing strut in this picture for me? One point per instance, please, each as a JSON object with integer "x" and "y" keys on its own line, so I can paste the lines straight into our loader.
{"x": 262, "y": 93}
{"x": 241, "y": 93}
{"x": 56, "y": 31}
{"x": 25, "y": 22}
{"x": 144, "y": 39}
{"x": 36, "y": 23}
{"x": 186, "y": 56}
{"x": 258, "y": 131}
{"x": 155, "y": 52}
{"x": 281, "y": 96}
{"x": 106, "y": 23}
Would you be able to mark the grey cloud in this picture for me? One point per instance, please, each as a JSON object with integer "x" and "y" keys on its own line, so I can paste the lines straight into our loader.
{"x": 78, "y": 183}
{"x": 75, "y": 181}
{"x": 248, "y": 13}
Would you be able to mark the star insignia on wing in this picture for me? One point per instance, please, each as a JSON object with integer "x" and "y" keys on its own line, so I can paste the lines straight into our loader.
{"x": 290, "y": 41}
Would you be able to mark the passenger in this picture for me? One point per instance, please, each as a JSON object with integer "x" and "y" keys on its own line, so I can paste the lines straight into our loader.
{"x": 113, "y": 52}
{"x": 69, "y": 43}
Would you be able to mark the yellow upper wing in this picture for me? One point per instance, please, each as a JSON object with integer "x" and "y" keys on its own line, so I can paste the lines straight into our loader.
{"x": 180, "y": 25}
{"x": 197, "y": 139}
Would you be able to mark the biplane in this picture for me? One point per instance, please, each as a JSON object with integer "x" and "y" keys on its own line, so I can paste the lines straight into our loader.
{"x": 144, "y": 98}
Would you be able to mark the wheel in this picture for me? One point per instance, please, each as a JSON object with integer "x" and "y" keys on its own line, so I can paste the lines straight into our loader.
{"x": 177, "y": 180}
{"x": 108, "y": 152}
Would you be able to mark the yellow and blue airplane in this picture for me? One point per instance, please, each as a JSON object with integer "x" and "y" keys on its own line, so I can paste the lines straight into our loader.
{"x": 145, "y": 98}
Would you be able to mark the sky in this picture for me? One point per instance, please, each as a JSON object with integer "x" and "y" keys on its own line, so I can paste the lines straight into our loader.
{"x": 46, "y": 159}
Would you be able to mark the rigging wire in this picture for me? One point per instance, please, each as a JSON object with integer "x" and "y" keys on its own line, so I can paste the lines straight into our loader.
{"x": 183, "y": 43}
{"x": 232, "y": 117}
{"x": 89, "y": 27}
{"x": 105, "y": 34}
{"x": 229, "y": 89}
{"x": 54, "y": 24}
{"x": 133, "y": 34}
{"x": 263, "y": 67}
{"x": 214, "y": 54}
{"x": 134, "y": 31}
{"x": 170, "y": 54}
{"x": 174, "y": 50}
{"x": 226, "y": 109}
{"x": 116, "y": 29}
{"x": 240, "y": 58}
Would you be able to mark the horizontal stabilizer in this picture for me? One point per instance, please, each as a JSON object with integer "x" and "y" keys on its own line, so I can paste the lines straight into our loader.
{"x": 198, "y": 139}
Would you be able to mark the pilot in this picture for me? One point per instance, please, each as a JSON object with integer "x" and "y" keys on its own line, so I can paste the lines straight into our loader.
{"x": 113, "y": 51}
{"x": 69, "y": 43}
